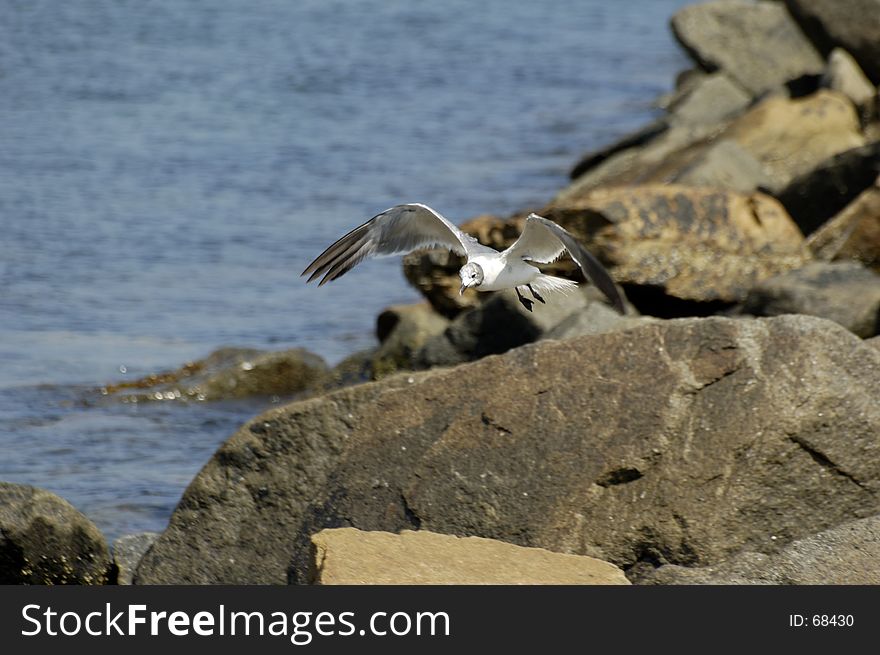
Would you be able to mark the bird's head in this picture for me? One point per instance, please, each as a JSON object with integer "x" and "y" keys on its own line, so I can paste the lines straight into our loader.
{"x": 471, "y": 276}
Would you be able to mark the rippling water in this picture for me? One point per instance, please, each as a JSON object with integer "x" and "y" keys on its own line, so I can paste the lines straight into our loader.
{"x": 168, "y": 168}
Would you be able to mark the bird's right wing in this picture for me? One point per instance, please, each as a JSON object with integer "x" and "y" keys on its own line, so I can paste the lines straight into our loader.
{"x": 399, "y": 229}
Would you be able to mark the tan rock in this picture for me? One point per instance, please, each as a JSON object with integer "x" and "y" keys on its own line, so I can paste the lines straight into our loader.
{"x": 697, "y": 244}
{"x": 351, "y": 556}
{"x": 854, "y": 233}
{"x": 792, "y": 136}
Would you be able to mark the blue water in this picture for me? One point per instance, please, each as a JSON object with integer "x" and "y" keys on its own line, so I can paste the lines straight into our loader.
{"x": 168, "y": 168}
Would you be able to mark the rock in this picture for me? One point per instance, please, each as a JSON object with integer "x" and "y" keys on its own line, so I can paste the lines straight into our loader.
{"x": 853, "y": 25}
{"x": 793, "y": 136}
{"x": 854, "y": 233}
{"x": 724, "y": 165}
{"x": 696, "y": 244}
{"x": 403, "y": 330}
{"x": 595, "y": 318}
{"x": 842, "y": 74}
{"x": 846, "y": 293}
{"x": 681, "y": 441}
{"x": 128, "y": 550}
{"x": 229, "y": 373}
{"x": 848, "y": 554}
{"x": 817, "y": 195}
{"x": 712, "y": 99}
{"x": 636, "y": 139}
{"x": 756, "y": 43}
{"x": 874, "y": 342}
{"x": 44, "y": 540}
{"x": 499, "y": 324}
{"x": 349, "y": 556}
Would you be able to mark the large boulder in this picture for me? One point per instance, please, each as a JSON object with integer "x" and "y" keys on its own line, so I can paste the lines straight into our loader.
{"x": 694, "y": 243}
{"x": 793, "y": 136}
{"x": 44, "y": 540}
{"x": 819, "y": 194}
{"x": 755, "y": 43}
{"x": 854, "y": 233}
{"x": 228, "y": 373}
{"x": 350, "y": 556}
{"x": 681, "y": 442}
{"x": 845, "y": 292}
{"x": 848, "y": 554}
{"x": 854, "y": 25}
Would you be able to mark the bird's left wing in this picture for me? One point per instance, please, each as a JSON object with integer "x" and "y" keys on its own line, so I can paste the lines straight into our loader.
{"x": 398, "y": 229}
{"x": 543, "y": 241}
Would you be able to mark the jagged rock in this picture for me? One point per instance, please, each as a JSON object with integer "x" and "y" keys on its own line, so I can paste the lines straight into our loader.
{"x": 681, "y": 441}
{"x": 403, "y": 330}
{"x": 712, "y": 99}
{"x": 792, "y": 136}
{"x": 724, "y": 165}
{"x": 819, "y": 194}
{"x": 756, "y": 43}
{"x": 128, "y": 550}
{"x": 696, "y": 244}
{"x": 845, "y": 292}
{"x": 854, "y": 233}
{"x": 842, "y": 74}
{"x": 349, "y": 556}
{"x": 44, "y": 540}
{"x": 229, "y": 373}
{"x": 853, "y": 25}
{"x": 848, "y": 554}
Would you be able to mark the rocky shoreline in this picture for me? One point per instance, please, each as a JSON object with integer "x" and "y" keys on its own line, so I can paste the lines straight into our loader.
{"x": 726, "y": 430}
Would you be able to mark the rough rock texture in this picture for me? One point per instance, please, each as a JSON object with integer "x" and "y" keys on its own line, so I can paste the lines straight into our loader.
{"x": 403, "y": 330}
{"x": 846, "y": 293}
{"x": 854, "y": 25}
{"x": 45, "y": 540}
{"x": 847, "y": 554}
{"x": 854, "y": 233}
{"x": 695, "y": 244}
{"x": 756, "y": 43}
{"x": 819, "y": 194}
{"x": 350, "y": 556}
{"x": 229, "y": 373}
{"x": 677, "y": 442}
{"x": 792, "y": 136}
{"x": 127, "y": 553}
{"x": 844, "y": 75}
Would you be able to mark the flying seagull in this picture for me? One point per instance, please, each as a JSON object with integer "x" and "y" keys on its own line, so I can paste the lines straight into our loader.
{"x": 404, "y": 228}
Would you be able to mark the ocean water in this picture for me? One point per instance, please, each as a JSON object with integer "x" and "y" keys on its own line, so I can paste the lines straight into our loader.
{"x": 167, "y": 169}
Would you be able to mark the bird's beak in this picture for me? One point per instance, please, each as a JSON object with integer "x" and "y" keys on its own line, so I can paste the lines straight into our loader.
{"x": 461, "y": 290}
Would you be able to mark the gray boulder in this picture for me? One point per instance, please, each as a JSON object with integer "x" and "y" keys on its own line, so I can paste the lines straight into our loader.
{"x": 682, "y": 442}
{"x": 44, "y": 540}
{"x": 845, "y": 292}
{"x": 756, "y": 43}
{"x": 128, "y": 550}
{"x": 844, "y": 75}
{"x": 848, "y": 554}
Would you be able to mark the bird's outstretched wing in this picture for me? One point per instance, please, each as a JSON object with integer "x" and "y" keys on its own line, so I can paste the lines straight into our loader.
{"x": 543, "y": 241}
{"x": 399, "y": 229}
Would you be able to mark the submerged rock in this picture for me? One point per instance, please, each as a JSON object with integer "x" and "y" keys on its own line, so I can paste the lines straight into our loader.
{"x": 44, "y": 540}
{"x": 349, "y": 556}
{"x": 681, "y": 441}
{"x": 229, "y": 373}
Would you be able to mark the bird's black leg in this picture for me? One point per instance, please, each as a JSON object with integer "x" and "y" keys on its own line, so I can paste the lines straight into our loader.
{"x": 535, "y": 294}
{"x": 525, "y": 301}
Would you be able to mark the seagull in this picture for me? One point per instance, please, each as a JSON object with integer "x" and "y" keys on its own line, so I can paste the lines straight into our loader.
{"x": 404, "y": 228}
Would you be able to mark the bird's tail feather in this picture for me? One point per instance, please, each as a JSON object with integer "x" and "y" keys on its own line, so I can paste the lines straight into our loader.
{"x": 550, "y": 284}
